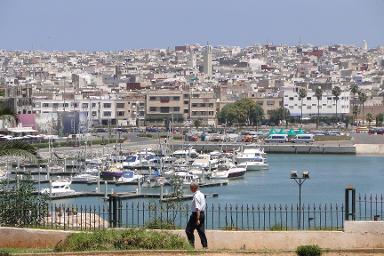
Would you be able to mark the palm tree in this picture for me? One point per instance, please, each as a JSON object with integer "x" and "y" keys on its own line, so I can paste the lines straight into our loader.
{"x": 369, "y": 118}
{"x": 336, "y": 91}
{"x": 354, "y": 90}
{"x": 362, "y": 99}
{"x": 319, "y": 96}
{"x": 302, "y": 95}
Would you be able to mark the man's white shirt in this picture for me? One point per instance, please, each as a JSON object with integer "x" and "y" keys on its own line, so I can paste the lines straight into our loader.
{"x": 198, "y": 201}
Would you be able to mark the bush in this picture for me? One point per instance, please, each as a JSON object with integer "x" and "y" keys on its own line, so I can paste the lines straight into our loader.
{"x": 130, "y": 239}
{"x": 161, "y": 224}
{"x": 308, "y": 250}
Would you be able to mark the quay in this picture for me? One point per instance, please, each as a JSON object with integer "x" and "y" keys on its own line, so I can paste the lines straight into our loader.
{"x": 287, "y": 148}
{"x": 123, "y": 195}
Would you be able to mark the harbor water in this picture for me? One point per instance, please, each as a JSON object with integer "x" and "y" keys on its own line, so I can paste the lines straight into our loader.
{"x": 329, "y": 176}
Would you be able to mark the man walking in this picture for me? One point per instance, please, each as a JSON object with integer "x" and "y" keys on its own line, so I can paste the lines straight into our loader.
{"x": 197, "y": 218}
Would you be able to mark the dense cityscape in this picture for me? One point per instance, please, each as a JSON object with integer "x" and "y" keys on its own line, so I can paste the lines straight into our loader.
{"x": 190, "y": 82}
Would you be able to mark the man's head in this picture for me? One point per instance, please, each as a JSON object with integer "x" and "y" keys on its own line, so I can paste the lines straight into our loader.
{"x": 194, "y": 187}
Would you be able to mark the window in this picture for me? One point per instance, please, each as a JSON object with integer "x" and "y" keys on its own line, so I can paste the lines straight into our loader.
{"x": 120, "y": 105}
{"x": 107, "y": 113}
{"x": 107, "y": 105}
{"x": 210, "y": 105}
{"x": 75, "y": 105}
{"x": 120, "y": 113}
{"x": 290, "y": 98}
{"x": 329, "y": 98}
{"x": 152, "y": 109}
{"x": 66, "y": 105}
{"x": 186, "y": 102}
{"x": 176, "y": 97}
{"x": 186, "y": 96}
{"x": 270, "y": 103}
{"x": 309, "y": 107}
{"x": 93, "y": 105}
{"x": 176, "y": 109}
{"x": 84, "y": 105}
{"x": 55, "y": 105}
{"x": 164, "y": 99}
{"x": 194, "y": 105}
{"x": 94, "y": 113}
{"x": 309, "y": 98}
{"x": 45, "y": 105}
{"x": 186, "y": 111}
{"x": 164, "y": 109}
{"x": 152, "y": 98}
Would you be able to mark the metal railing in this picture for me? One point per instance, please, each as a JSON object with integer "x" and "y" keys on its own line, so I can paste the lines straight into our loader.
{"x": 369, "y": 207}
{"x": 174, "y": 215}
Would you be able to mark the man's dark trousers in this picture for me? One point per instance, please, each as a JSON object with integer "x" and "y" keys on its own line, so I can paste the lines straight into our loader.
{"x": 191, "y": 226}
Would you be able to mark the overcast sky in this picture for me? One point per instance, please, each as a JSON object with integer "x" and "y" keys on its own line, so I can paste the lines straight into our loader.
{"x": 89, "y": 25}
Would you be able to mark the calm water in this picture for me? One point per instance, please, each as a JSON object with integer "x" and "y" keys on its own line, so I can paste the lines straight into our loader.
{"x": 330, "y": 174}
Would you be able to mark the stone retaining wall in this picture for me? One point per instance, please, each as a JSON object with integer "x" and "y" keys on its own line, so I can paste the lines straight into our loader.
{"x": 356, "y": 234}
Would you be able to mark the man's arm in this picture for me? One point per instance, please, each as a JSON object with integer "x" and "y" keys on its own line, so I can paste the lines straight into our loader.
{"x": 197, "y": 216}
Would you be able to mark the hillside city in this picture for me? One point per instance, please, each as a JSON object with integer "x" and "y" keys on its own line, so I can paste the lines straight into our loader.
{"x": 190, "y": 82}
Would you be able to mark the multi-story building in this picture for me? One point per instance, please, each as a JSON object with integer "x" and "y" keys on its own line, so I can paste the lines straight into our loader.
{"x": 327, "y": 104}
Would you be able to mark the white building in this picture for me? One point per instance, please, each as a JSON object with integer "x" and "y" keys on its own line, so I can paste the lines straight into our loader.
{"x": 292, "y": 102}
{"x": 207, "y": 65}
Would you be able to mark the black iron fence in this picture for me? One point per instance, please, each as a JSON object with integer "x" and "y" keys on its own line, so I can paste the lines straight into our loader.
{"x": 173, "y": 215}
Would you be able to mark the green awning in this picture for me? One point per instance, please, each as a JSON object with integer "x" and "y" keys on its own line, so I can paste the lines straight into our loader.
{"x": 300, "y": 131}
{"x": 272, "y": 131}
{"x": 282, "y": 131}
{"x": 291, "y": 132}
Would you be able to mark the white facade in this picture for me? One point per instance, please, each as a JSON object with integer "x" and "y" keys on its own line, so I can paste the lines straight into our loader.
{"x": 292, "y": 102}
{"x": 208, "y": 61}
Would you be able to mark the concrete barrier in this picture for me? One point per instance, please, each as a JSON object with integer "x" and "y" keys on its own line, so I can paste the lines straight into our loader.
{"x": 372, "y": 149}
{"x": 356, "y": 234}
{"x": 288, "y": 148}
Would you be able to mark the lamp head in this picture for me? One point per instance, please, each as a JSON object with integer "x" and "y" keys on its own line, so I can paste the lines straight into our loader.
{"x": 293, "y": 174}
{"x": 306, "y": 174}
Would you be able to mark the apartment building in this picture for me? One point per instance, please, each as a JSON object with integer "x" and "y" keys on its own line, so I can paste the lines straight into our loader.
{"x": 161, "y": 105}
{"x": 327, "y": 105}
{"x": 180, "y": 106}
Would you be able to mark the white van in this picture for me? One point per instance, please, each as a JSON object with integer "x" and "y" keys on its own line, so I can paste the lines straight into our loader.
{"x": 278, "y": 138}
{"x": 304, "y": 138}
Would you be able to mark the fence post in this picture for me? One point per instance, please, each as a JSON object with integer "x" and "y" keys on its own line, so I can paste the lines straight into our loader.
{"x": 114, "y": 210}
{"x": 350, "y": 203}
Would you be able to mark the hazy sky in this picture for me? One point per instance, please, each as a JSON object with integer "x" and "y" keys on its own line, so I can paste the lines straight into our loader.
{"x": 126, "y": 24}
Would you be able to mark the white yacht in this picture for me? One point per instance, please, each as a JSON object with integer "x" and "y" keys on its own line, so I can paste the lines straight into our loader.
{"x": 130, "y": 176}
{"x": 254, "y": 164}
{"x": 187, "y": 178}
{"x": 85, "y": 177}
{"x": 185, "y": 153}
{"x": 59, "y": 187}
{"x": 205, "y": 161}
{"x": 228, "y": 170}
{"x": 249, "y": 154}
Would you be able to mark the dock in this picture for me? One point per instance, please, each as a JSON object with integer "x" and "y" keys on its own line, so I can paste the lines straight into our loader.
{"x": 122, "y": 195}
{"x": 283, "y": 148}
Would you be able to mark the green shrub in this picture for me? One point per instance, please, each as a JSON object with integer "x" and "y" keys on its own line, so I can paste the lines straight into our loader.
{"x": 130, "y": 239}
{"x": 161, "y": 224}
{"x": 308, "y": 250}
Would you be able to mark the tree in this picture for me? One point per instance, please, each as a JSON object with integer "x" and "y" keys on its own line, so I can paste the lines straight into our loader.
{"x": 277, "y": 115}
{"x": 20, "y": 207}
{"x": 336, "y": 91}
{"x": 362, "y": 99}
{"x": 369, "y": 118}
{"x": 197, "y": 123}
{"x": 244, "y": 111}
{"x": 302, "y": 95}
{"x": 379, "y": 119}
{"x": 319, "y": 96}
{"x": 18, "y": 148}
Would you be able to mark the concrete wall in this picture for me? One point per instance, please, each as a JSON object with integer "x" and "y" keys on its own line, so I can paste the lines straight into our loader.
{"x": 276, "y": 148}
{"x": 356, "y": 234}
{"x": 374, "y": 149}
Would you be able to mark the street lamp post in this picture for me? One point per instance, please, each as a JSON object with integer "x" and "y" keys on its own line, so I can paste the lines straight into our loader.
{"x": 299, "y": 181}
